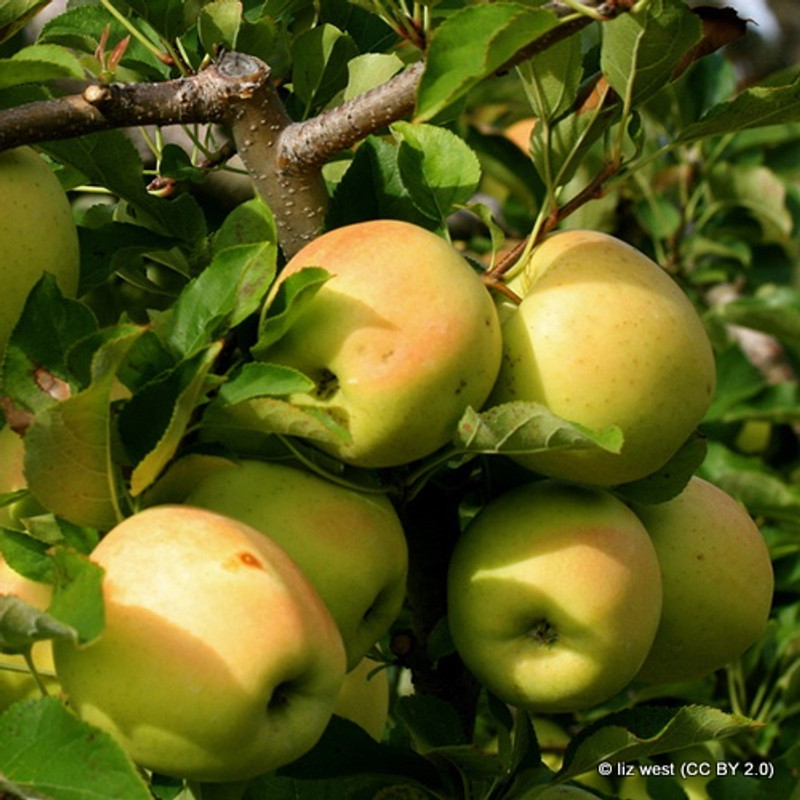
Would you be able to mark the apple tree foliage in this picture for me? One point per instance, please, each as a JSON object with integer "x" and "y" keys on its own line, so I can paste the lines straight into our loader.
{"x": 643, "y": 131}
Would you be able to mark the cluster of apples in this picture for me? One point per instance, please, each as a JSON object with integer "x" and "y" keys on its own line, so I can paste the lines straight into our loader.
{"x": 240, "y": 601}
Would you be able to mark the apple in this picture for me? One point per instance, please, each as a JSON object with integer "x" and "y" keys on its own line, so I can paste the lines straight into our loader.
{"x": 554, "y": 596}
{"x": 400, "y": 341}
{"x": 364, "y": 698}
{"x": 16, "y": 681}
{"x": 218, "y": 660}
{"x": 519, "y": 133}
{"x": 717, "y": 578}
{"x": 37, "y": 232}
{"x": 604, "y": 337}
{"x": 12, "y": 479}
{"x": 350, "y": 544}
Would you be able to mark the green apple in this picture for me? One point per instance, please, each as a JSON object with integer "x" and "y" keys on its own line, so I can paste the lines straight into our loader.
{"x": 350, "y": 544}
{"x": 16, "y": 681}
{"x": 37, "y": 232}
{"x": 12, "y": 479}
{"x": 364, "y": 698}
{"x": 554, "y": 596}
{"x": 604, "y": 337}
{"x": 400, "y": 341}
{"x": 718, "y": 582}
{"x": 218, "y": 660}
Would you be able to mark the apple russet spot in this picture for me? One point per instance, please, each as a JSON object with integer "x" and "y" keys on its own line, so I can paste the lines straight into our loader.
{"x": 349, "y": 544}
{"x": 218, "y": 660}
{"x": 717, "y": 578}
{"x": 400, "y": 341}
{"x": 37, "y": 232}
{"x": 604, "y": 337}
{"x": 554, "y": 596}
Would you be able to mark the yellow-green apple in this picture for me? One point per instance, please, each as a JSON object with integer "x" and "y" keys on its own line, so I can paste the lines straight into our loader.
{"x": 218, "y": 660}
{"x": 37, "y": 232}
{"x": 604, "y": 337}
{"x": 12, "y": 479}
{"x": 350, "y": 544}
{"x": 717, "y": 578}
{"x": 400, "y": 341}
{"x": 16, "y": 681}
{"x": 364, "y": 698}
{"x": 554, "y": 596}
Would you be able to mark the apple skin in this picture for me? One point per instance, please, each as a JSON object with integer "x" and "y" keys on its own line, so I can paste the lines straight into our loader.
{"x": 21, "y": 685}
{"x": 349, "y": 544}
{"x": 401, "y": 340}
{"x": 717, "y": 581}
{"x": 37, "y": 232}
{"x": 218, "y": 661}
{"x": 554, "y": 596}
{"x": 364, "y": 698}
{"x": 603, "y": 337}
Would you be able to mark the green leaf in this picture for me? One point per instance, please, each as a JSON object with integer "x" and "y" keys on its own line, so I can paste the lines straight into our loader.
{"x": 232, "y": 286}
{"x": 552, "y": 79}
{"x": 431, "y": 722}
{"x": 772, "y": 309}
{"x": 320, "y": 57}
{"x": 37, "y": 63}
{"x": 372, "y": 188}
{"x": 218, "y": 24}
{"x": 290, "y": 301}
{"x": 246, "y": 427}
{"x": 470, "y": 45}
{"x": 257, "y": 379}
{"x": 170, "y": 18}
{"x": 68, "y": 447}
{"x": 641, "y": 732}
{"x": 520, "y": 427}
{"x": 641, "y": 50}
{"x": 110, "y": 159}
{"x": 437, "y": 167}
{"x": 45, "y": 748}
{"x": 369, "y": 70}
{"x": 669, "y": 480}
{"x": 178, "y": 394}
{"x": 78, "y": 594}
{"x": 15, "y": 14}
{"x": 26, "y": 555}
{"x": 755, "y": 107}
{"x": 50, "y": 324}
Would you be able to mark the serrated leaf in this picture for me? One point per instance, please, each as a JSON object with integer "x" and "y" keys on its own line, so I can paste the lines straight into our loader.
{"x": 641, "y": 732}
{"x": 438, "y": 168}
{"x": 37, "y": 63}
{"x": 78, "y": 594}
{"x": 257, "y": 379}
{"x": 45, "y": 748}
{"x": 170, "y": 18}
{"x": 68, "y": 447}
{"x": 289, "y": 302}
{"x": 372, "y": 188}
{"x": 755, "y": 107}
{"x": 245, "y": 427}
{"x": 641, "y": 50}
{"x": 190, "y": 381}
{"x": 470, "y": 45}
{"x": 225, "y": 293}
{"x": 520, "y": 427}
{"x": 22, "y": 625}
